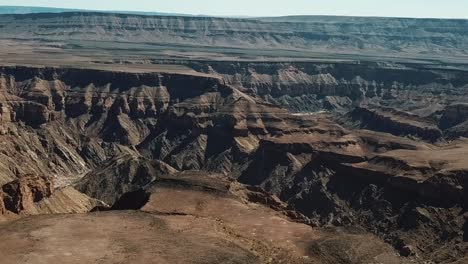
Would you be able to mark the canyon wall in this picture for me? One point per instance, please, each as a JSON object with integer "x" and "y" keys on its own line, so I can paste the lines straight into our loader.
{"x": 109, "y": 133}
{"x": 345, "y": 35}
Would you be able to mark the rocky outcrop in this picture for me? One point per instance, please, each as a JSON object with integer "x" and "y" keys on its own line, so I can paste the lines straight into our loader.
{"x": 453, "y": 115}
{"x": 394, "y": 122}
{"x": 21, "y": 194}
{"x": 2, "y": 204}
{"x": 460, "y": 130}
{"x": 67, "y": 200}
{"x": 465, "y": 230}
{"x": 120, "y": 176}
{"x": 31, "y": 195}
{"x": 454, "y": 120}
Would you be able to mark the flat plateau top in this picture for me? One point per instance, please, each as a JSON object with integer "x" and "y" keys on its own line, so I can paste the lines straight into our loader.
{"x": 130, "y": 68}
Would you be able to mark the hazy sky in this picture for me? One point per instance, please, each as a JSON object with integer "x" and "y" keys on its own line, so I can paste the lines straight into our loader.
{"x": 400, "y": 8}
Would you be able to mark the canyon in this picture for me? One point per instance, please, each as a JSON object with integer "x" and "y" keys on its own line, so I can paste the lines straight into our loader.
{"x": 163, "y": 155}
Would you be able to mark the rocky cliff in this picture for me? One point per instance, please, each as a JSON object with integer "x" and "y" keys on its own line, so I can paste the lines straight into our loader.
{"x": 395, "y": 122}
{"x": 312, "y": 86}
{"x": 426, "y": 38}
{"x": 111, "y": 134}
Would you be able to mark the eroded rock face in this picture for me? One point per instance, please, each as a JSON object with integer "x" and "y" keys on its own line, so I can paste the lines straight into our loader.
{"x": 453, "y": 115}
{"x": 117, "y": 132}
{"x": 21, "y": 194}
{"x": 465, "y": 230}
{"x": 307, "y": 87}
{"x": 395, "y": 122}
{"x": 120, "y": 176}
{"x": 396, "y": 194}
{"x": 2, "y": 203}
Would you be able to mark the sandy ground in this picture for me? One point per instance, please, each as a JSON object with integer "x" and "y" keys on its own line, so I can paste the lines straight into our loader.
{"x": 201, "y": 221}
{"x": 112, "y": 237}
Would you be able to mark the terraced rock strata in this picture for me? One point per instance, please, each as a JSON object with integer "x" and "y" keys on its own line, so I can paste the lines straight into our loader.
{"x": 125, "y": 139}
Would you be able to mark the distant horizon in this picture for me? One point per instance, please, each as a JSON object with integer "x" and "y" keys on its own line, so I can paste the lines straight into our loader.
{"x": 138, "y": 12}
{"x": 85, "y": 10}
{"x": 430, "y": 9}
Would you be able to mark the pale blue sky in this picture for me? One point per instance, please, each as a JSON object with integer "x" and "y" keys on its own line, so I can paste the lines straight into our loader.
{"x": 399, "y": 8}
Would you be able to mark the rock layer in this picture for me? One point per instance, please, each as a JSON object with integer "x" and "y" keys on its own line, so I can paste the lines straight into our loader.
{"x": 320, "y": 34}
{"x": 395, "y": 122}
{"x": 113, "y": 133}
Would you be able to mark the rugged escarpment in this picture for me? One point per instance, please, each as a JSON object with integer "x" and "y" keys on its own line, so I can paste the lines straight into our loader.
{"x": 395, "y": 122}
{"x": 415, "y": 100}
{"x": 32, "y": 194}
{"x": 21, "y": 194}
{"x": 122, "y": 175}
{"x": 407, "y": 196}
{"x": 311, "y": 86}
{"x": 328, "y": 35}
{"x": 454, "y": 120}
{"x": 113, "y": 135}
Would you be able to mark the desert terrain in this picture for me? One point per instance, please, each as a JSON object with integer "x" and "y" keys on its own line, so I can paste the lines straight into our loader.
{"x": 130, "y": 138}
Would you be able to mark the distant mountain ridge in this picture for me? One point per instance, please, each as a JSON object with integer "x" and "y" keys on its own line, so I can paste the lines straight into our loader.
{"x": 280, "y": 37}
{"x": 19, "y": 10}
{"x": 14, "y": 10}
